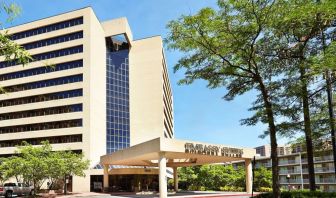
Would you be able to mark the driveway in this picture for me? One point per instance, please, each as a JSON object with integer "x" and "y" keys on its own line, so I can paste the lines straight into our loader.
{"x": 175, "y": 195}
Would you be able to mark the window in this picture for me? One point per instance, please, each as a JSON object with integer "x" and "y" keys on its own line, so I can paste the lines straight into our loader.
{"x": 42, "y": 126}
{"x": 46, "y": 55}
{"x": 42, "y": 98}
{"x": 47, "y": 28}
{"x": 38, "y": 141}
{"x": 44, "y": 83}
{"x": 42, "y": 112}
{"x": 42, "y": 70}
{"x": 52, "y": 41}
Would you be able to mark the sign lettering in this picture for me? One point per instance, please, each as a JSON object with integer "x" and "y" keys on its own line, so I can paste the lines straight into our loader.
{"x": 212, "y": 150}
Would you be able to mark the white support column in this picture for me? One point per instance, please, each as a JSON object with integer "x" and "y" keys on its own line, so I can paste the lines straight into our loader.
{"x": 106, "y": 178}
{"x": 175, "y": 179}
{"x": 162, "y": 175}
{"x": 248, "y": 171}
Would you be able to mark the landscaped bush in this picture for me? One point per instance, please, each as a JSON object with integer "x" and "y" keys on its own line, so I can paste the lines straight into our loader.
{"x": 232, "y": 189}
{"x": 300, "y": 194}
{"x": 197, "y": 188}
{"x": 192, "y": 188}
{"x": 202, "y": 188}
{"x": 264, "y": 189}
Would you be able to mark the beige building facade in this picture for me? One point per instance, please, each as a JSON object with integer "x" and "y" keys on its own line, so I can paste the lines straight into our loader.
{"x": 104, "y": 93}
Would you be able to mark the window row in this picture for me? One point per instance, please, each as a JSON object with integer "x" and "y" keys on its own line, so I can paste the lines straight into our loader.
{"x": 54, "y": 40}
{"x": 115, "y": 146}
{"x": 45, "y": 83}
{"x": 47, "y": 28}
{"x": 117, "y": 94}
{"x": 42, "y": 126}
{"x": 117, "y": 133}
{"x": 42, "y": 70}
{"x": 111, "y": 120}
{"x": 42, "y": 98}
{"x": 46, "y": 55}
{"x": 38, "y": 141}
{"x": 42, "y": 112}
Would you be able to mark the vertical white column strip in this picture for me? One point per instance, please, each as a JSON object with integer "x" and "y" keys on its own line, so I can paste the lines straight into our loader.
{"x": 162, "y": 175}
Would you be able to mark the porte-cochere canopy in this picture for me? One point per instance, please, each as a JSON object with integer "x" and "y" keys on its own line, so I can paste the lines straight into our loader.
{"x": 164, "y": 152}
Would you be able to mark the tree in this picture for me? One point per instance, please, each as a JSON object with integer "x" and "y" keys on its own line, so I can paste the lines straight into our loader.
{"x": 8, "y": 48}
{"x": 211, "y": 177}
{"x": 34, "y": 162}
{"x": 62, "y": 164}
{"x": 37, "y": 164}
{"x": 12, "y": 167}
{"x": 301, "y": 27}
{"x": 262, "y": 178}
{"x": 73, "y": 165}
{"x": 229, "y": 47}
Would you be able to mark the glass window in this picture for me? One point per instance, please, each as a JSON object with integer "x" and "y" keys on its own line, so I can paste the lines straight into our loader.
{"x": 47, "y": 28}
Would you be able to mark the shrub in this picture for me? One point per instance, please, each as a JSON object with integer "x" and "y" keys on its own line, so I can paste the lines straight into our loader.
{"x": 192, "y": 188}
{"x": 201, "y": 188}
{"x": 231, "y": 189}
{"x": 264, "y": 189}
{"x": 170, "y": 184}
{"x": 300, "y": 194}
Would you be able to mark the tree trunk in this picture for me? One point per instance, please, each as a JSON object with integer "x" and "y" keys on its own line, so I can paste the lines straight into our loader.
{"x": 330, "y": 105}
{"x": 65, "y": 185}
{"x": 273, "y": 138}
{"x": 331, "y": 115}
{"x": 307, "y": 128}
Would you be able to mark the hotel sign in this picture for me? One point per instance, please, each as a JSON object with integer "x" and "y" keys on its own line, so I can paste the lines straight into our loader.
{"x": 212, "y": 150}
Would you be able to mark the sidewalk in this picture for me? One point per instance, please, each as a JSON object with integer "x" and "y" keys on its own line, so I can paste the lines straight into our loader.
{"x": 87, "y": 194}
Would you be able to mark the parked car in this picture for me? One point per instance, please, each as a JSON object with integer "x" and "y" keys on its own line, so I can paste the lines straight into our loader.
{"x": 11, "y": 188}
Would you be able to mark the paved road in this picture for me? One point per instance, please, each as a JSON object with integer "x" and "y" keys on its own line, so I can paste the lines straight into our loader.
{"x": 179, "y": 195}
{"x": 219, "y": 196}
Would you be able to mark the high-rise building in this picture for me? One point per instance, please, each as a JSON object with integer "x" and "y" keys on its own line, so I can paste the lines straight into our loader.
{"x": 104, "y": 91}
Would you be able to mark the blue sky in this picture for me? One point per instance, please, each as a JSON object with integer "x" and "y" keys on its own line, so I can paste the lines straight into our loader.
{"x": 200, "y": 113}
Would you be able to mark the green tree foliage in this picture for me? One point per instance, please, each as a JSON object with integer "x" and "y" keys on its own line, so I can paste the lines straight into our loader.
{"x": 38, "y": 164}
{"x": 211, "y": 177}
{"x": 12, "y": 167}
{"x": 308, "y": 28}
{"x": 262, "y": 178}
{"x": 8, "y": 48}
{"x": 231, "y": 47}
{"x": 272, "y": 47}
{"x": 220, "y": 177}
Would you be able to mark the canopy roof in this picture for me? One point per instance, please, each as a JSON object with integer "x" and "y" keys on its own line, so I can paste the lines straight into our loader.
{"x": 179, "y": 153}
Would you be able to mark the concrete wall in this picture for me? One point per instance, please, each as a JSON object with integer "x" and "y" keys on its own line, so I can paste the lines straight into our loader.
{"x": 150, "y": 91}
{"x": 146, "y": 92}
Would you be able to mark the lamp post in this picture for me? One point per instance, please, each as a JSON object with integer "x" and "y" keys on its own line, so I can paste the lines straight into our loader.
{"x": 253, "y": 169}
{"x": 288, "y": 178}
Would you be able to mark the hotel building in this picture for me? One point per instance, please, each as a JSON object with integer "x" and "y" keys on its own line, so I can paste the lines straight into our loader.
{"x": 107, "y": 96}
{"x": 293, "y": 163}
{"x": 104, "y": 92}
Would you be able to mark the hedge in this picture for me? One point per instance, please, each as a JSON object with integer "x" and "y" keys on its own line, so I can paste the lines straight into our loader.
{"x": 300, "y": 194}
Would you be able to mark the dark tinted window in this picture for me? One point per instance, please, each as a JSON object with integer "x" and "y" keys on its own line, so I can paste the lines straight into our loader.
{"x": 46, "y": 55}
{"x": 47, "y": 28}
